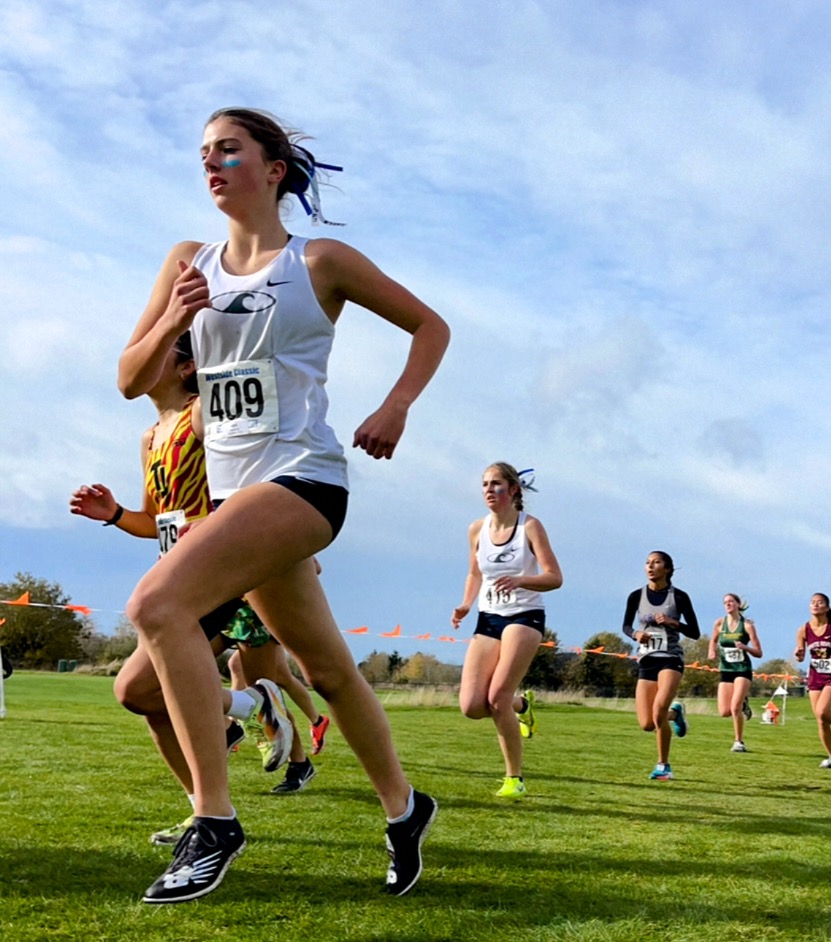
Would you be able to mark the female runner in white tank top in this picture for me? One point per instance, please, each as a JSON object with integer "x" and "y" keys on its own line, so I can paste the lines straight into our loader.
{"x": 511, "y": 564}
{"x": 262, "y": 315}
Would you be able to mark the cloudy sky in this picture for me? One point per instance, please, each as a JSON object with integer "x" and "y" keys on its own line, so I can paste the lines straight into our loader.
{"x": 622, "y": 208}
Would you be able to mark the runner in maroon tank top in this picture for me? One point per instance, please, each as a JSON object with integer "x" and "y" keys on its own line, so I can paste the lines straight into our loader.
{"x": 814, "y": 637}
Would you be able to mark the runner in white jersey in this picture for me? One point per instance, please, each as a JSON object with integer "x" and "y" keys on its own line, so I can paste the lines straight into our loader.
{"x": 263, "y": 315}
{"x": 511, "y": 565}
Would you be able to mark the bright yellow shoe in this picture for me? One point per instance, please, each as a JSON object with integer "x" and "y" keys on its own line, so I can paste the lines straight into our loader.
{"x": 527, "y": 720}
{"x": 512, "y": 787}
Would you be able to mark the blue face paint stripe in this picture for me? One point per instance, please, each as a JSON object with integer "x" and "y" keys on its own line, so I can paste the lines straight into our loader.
{"x": 231, "y": 162}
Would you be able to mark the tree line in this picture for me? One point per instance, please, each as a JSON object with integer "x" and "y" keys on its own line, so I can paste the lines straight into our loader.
{"x": 604, "y": 676}
{"x": 597, "y": 675}
{"x": 39, "y": 637}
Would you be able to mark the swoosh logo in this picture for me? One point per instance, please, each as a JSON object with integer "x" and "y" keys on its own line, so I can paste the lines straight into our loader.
{"x": 273, "y": 284}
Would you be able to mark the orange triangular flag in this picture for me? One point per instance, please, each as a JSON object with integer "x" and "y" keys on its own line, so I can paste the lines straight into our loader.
{"x": 423, "y": 637}
{"x": 23, "y": 600}
{"x": 79, "y": 608}
{"x": 357, "y": 631}
{"x": 392, "y": 634}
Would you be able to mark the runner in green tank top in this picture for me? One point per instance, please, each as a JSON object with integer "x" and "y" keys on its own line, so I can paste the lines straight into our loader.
{"x": 733, "y": 641}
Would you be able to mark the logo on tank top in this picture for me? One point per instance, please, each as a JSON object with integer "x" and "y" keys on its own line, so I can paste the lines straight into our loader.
{"x": 245, "y": 302}
{"x": 505, "y": 556}
{"x": 273, "y": 284}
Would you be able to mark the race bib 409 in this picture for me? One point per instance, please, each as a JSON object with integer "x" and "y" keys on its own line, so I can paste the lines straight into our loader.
{"x": 239, "y": 399}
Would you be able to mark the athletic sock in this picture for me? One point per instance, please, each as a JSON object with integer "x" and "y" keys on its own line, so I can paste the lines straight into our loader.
{"x": 244, "y": 703}
{"x": 408, "y": 811}
{"x": 220, "y": 817}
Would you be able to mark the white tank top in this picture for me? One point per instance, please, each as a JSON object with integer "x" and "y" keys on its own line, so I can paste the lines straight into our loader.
{"x": 261, "y": 351}
{"x": 513, "y": 558}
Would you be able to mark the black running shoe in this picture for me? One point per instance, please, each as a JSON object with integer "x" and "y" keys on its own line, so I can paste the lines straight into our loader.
{"x": 298, "y": 776}
{"x": 404, "y": 841}
{"x": 234, "y": 735}
{"x": 748, "y": 713}
{"x": 199, "y": 861}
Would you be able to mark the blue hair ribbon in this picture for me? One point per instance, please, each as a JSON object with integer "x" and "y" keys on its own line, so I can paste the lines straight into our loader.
{"x": 306, "y": 190}
{"x": 527, "y": 483}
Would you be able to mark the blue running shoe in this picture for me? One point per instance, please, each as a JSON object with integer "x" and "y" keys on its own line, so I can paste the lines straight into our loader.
{"x": 662, "y": 772}
{"x": 679, "y": 724}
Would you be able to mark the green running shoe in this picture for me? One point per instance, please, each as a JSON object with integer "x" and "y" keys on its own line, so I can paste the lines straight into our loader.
{"x": 512, "y": 787}
{"x": 171, "y": 835}
{"x": 527, "y": 719}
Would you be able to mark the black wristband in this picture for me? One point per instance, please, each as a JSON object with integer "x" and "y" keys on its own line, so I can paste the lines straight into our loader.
{"x": 119, "y": 510}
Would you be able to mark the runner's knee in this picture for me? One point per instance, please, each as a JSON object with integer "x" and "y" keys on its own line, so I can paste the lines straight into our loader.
{"x": 501, "y": 702}
{"x": 330, "y": 680}
{"x": 474, "y": 708}
{"x": 138, "y": 695}
{"x": 152, "y": 611}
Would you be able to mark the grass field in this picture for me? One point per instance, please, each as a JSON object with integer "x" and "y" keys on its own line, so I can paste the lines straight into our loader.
{"x": 735, "y": 849}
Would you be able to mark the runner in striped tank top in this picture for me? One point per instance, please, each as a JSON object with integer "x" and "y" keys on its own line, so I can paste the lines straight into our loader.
{"x": 175, "y": 498}
{"x": 174, "y": 468}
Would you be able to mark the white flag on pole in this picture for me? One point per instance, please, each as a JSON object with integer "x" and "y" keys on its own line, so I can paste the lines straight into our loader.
{"x": 780, "y": 692}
